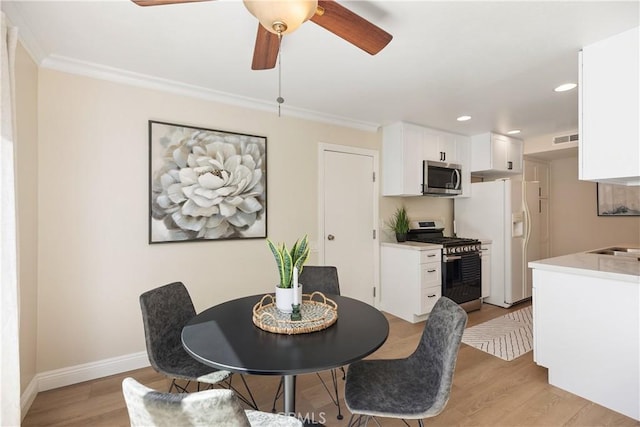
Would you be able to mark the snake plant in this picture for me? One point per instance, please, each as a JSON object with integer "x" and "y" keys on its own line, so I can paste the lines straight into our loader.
{"x": 287, "y": 259}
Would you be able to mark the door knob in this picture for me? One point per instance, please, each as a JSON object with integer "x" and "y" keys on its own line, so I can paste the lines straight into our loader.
{"x": 331, "y": 237}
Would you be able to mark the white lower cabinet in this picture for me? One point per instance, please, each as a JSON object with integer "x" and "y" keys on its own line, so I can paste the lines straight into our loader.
{"x": 411, "y": 278}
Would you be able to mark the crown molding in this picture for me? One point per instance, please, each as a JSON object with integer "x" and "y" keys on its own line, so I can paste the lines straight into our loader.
{"x": 102, "y": 72}
{"x": 25, "y": 36}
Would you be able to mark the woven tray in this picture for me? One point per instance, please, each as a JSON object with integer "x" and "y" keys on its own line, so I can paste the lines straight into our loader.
{"x": 316, "y": 315}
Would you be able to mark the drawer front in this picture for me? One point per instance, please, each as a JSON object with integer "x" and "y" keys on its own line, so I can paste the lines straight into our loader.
{"x": 430, "y": 256}
{"x": 430, "y": 275}
{"x": 428, "y": 298}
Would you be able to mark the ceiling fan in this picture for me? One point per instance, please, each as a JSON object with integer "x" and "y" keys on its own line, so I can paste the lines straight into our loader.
{"x": 279, "y": 17}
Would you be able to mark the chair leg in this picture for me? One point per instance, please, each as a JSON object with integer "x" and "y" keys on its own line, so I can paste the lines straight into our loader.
{"x": 179, "y": 388}
{"x": 356, "y": 420}
{"x": 336, "y": 399}
{"x": 251, "y": 403}
{"x": 363, "y": 418}
{"x": 278, "y": 394}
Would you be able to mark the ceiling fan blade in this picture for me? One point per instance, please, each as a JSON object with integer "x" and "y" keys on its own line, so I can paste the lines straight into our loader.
{"x": 159, "y": 2}
{"x": 351, "y": 27}
{"x": 266, "y": 50}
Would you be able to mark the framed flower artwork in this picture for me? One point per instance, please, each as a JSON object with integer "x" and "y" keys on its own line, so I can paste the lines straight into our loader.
{"x": 618, "y": 200}
{"x": 206, "y": 184}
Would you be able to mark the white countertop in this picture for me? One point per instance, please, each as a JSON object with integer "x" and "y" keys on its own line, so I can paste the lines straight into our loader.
{"x": 416, "y": 246}
{"x": 594, "y": 265}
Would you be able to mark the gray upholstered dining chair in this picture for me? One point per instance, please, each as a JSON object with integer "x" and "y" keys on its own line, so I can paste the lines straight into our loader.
{"x": 217, "y": 407}
{"x": 416, "y": 387}
{"x": 320, "y": 278}
{"x": 165, "y": 311}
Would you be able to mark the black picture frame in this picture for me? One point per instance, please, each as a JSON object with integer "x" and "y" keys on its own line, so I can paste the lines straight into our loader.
{"x": 206, "y": 184}
{"x": 617, "y": 200}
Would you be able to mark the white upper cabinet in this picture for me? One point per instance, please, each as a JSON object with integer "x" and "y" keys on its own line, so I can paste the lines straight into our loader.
{"x": 609, "y": 146}
{"x": 402, "y": 159}
{"x": 440, "y": 146}
{"x": 494, "y": 154}
{"x": 405, "y": 146}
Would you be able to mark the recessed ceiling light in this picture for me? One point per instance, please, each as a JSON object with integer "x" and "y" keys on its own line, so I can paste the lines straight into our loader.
{"x": 513, "y": 132}
{"x": 565, "y": 87}
{"x": 463, "y": 118}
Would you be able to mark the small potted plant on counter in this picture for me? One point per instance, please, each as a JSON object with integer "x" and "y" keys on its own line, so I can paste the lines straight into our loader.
{"x": 399, "y": 223}
{"x": 289, "y": 263}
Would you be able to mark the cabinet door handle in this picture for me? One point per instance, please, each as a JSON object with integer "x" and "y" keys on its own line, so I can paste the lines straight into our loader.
{"x": 539, "y": 206}
{"x": 431, "y": 296}
{"x": 431, "y": 271}
{"x": 509, "y": 165}
{"x": 431, "y": 255}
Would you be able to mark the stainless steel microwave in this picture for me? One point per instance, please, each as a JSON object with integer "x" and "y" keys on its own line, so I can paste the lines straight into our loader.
{"x": 441, "y": 179}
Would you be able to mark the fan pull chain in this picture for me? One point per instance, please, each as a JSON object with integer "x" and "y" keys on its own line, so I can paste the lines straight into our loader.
{"x": 279, "y": 99}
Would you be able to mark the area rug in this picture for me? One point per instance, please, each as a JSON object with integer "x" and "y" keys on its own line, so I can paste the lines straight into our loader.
{"x": 507, "y": 337}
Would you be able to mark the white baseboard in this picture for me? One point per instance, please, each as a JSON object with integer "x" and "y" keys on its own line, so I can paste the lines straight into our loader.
{"x": 28, "y": 396}
{"x": 90, "y": 371}
{"x": 80, "y": 373}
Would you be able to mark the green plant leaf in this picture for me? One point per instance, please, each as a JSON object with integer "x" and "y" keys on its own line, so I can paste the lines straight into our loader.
{"x": 400, "y": 221}
{"x": 300, "y": 248}
{"x": 277, "y": 254}
{"x": 287, "y": 269}
{"x": 286, "y": 260}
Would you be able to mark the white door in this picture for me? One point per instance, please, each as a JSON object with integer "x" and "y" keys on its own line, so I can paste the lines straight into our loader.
{"x": 348, "y": 214}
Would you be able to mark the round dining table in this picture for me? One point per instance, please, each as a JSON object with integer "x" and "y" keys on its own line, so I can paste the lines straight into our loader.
{"x": 225, "y": 337}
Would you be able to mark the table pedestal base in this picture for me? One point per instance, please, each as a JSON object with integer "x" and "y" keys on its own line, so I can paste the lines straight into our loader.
{"x": 289, "y": 395}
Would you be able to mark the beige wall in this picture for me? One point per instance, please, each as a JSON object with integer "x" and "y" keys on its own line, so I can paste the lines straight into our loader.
{"x": 94, "y": 259}
{"x": 27, "y": 207}
{"x": 575, "y": 225}
{"x": 420, "y": 207}
{"x": 82, "y": 200}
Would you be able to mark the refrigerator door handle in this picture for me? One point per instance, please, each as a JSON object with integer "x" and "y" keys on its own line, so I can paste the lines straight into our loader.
{"x": 527, "y": 223}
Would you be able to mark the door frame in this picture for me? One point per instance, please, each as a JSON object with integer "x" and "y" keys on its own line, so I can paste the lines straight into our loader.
{"x": 322, "y": 148}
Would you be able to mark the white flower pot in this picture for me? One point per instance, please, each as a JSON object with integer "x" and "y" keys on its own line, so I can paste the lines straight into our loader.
{"x": 284, "y": 298}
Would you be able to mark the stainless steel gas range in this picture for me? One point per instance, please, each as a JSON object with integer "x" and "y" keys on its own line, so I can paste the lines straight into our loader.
{"x": 461, "y": 264}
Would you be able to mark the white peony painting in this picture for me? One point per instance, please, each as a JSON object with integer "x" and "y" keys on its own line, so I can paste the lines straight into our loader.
{"x": 206, "y": 184}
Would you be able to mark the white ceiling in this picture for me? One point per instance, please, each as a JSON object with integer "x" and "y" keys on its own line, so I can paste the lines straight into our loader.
{"x": 495, "y": 61}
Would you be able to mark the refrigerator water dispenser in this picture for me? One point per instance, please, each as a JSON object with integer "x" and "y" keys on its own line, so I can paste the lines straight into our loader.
{"x": 517, "y": 224}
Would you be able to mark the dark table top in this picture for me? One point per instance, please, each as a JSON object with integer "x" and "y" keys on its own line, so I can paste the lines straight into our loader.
{"x": 225, "y": 337}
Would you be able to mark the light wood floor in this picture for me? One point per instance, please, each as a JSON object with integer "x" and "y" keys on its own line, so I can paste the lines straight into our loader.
{"x": 487, "y": 391}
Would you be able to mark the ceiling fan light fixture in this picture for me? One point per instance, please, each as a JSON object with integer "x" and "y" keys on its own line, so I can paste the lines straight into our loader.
{"x": 281, "y": 16}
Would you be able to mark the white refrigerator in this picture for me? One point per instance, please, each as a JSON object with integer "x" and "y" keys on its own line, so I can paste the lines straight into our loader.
{"x": 506, "y": 212}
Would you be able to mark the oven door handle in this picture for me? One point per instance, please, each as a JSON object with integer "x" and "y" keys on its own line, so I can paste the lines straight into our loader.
{"x": 448, "y": 258}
